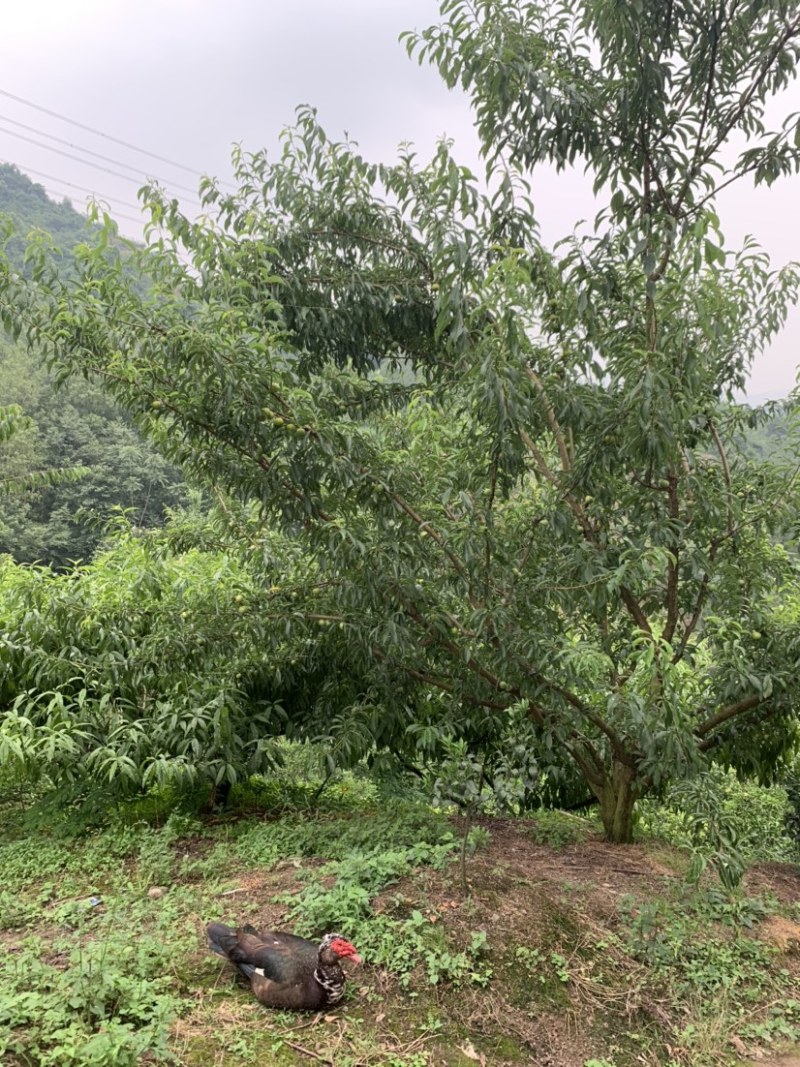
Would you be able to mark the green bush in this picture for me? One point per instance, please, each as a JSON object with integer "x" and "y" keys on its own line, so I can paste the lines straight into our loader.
{"x": 125, "y": 674}
{"x": 754, "y": 817}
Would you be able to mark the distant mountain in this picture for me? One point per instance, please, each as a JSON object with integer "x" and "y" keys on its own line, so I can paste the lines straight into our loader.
{"x": 76, "y": 426}
{"x": 775, "y": 439}
{"x": 30, "y": 208}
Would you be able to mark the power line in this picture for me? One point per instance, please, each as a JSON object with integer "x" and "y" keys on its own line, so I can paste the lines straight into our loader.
{"x": 63, "y": 181}
{"x": 89, "y": 152}
{"x": 77, "y": 159}
{"x": 107, "y": 136}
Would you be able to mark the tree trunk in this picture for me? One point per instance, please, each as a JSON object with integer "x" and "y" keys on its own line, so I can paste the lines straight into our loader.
{"x": 617, "y": 797}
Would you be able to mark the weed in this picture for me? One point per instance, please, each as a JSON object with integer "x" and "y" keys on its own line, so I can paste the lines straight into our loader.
{"x": 710, "y": 969}
{"x": 560, "y": 966}
{"x": 399, "y": 945}
{"x": 782, "y": 1024}
{"x": 477, "y": 838}
{"x": 550, "y": 970}
{"x": 557, "y": 828}
{"x": 18, "y": 912}
{"x": 32, "y": 859}
{"x": 400, "y": 827}
{"x": 731, "y": 909}
{"x": 667, "y": 937}
{"x": 109, "y": 1006}
{"x": 756, "y": 817}
{"x": 404, "y": 946}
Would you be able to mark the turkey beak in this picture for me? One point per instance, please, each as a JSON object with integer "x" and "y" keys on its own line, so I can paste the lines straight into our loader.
{"x": 355, "y": 958}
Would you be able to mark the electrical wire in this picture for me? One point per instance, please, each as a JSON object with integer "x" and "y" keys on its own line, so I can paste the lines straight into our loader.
{"x": 89, "y": 152}
{"x": 100, "y": 133}
{"x": 115, "y": 215}
{"x": 77, "y": 159}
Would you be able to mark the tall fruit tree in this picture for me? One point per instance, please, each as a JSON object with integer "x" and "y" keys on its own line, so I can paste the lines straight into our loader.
{"x": 517, "y": 471}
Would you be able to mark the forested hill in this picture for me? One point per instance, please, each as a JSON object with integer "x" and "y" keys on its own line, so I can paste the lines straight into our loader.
{"x": 772, "y": 440}
{"x": 30, "y": 208}
{"x": 76, "y": 426}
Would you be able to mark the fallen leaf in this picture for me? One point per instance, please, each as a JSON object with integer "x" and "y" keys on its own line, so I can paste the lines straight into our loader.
{"x": 470, "y": 1053}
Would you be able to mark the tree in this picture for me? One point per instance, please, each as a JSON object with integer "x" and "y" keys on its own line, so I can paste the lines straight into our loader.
{"x": 159, "y": 665}
{"x": 28, "y": 204}
{"x": 14, "y": 424}
{"x": 517, "y": 470}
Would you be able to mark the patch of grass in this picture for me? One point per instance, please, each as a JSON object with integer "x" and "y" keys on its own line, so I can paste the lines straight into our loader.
{"x": 404, "y": 945}
{"x": 338, "y": 837}
{"x": 558, "y": 828}
{"x": 109, "y": 1005}
{"x": 33, "y": 859}
{"x": 126, "y": 979}
{"x": 721, "y": 981}
{"x": 542, "y": 976}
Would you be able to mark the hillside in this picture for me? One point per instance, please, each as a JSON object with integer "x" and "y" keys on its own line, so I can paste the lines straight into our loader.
{"x": 567, "y": 952}
{"x": 28, "y": 205}
{"x": 75, "y": 426}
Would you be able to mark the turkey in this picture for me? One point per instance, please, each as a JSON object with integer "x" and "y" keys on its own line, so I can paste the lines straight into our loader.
{"x": 285, "y": 971}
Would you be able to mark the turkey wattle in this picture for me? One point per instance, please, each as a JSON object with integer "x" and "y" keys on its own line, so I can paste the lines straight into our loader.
{"x": 285, "y": 971}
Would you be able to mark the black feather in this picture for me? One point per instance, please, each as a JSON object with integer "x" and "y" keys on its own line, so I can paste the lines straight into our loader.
{"x": 284, "y": 971}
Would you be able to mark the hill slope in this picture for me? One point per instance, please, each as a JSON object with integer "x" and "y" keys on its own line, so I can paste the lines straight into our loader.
{"x": 30, "y": 208}
{"x": 72, "y": 427}
{"x": 566, "y": 953}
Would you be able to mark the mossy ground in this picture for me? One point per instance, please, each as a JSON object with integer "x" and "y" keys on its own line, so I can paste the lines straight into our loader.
{"x": 587, "y": 953}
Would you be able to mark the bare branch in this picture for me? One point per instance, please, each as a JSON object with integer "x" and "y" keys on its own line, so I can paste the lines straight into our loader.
{"x": 563, "y": 451}
{"x": 673, "y": 569}
{"x": 730, "y": 711}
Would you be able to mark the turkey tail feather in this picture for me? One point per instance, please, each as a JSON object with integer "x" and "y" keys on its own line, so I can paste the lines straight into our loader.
{"x": 221, "y": 939}
{"x": 225, "y": 942}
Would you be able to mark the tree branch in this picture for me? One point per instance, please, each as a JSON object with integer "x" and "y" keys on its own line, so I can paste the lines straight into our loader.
{"x": 563, "y": 451}
{"x": 727, "y": 713}
{"x": 628, "y": 599}
{"x": 726, "y": 470}
{"x": 673, "y": 565}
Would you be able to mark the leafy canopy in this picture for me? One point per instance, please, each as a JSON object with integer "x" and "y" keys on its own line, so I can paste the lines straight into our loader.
{"x": 516, "y": 471}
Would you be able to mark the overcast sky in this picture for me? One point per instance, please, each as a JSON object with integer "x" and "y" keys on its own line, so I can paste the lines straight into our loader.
{"x": 186, "y": 79}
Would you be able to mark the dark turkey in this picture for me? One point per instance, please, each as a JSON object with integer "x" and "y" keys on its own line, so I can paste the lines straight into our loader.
{"x": 285, "y": 971}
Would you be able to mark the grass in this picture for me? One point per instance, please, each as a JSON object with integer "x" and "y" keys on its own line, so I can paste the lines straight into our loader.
{"x": 566, "y": 948}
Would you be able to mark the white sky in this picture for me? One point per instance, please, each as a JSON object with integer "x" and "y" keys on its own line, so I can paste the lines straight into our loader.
{"x": 186, "y": 79}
